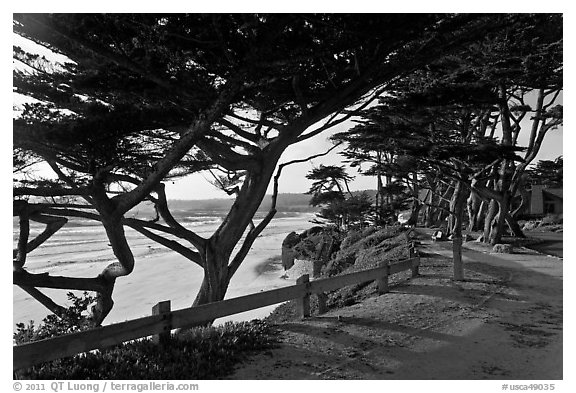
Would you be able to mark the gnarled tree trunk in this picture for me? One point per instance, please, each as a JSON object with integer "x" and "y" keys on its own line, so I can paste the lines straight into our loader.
{"x": 216, "y": 275}
{"x": 473, "y": 204}
{"x": 457, "y": 204}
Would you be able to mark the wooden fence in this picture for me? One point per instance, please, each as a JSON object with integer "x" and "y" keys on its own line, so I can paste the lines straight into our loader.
{"x": 163, "y": 320}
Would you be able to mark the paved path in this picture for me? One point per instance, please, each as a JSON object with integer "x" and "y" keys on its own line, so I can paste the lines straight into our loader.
{"x": 525, "y": 339}
{"x": 503, "y": 323}
{"x": 552, "y": 242}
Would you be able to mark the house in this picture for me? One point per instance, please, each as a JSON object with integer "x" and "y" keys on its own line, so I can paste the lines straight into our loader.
{"x": 545, "y": 201}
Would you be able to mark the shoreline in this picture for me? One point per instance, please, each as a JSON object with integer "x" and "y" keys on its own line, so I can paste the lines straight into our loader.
{"x": 271, "y": 264}
{"x": 159, "y": 274}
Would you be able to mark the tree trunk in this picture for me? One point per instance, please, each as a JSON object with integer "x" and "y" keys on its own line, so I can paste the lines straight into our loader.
{"x": 514, "y": 226}
{"x": 416, "y": 205}
{"x": 123, "y": 267}
{"x": 444, "y": 213}
{"x": 498, "y": 229}
{"x": 216, "y": 280}
{"x": 473, "y": 204}
{"x": 415, "y": 211}
{"x": 506, "y": 169}
{"x": 210, "y": 291}
{"x": 379, "y": 198}
{"x": 503, "y": 187}
{"x": 489, "y": 219}
{"x": 481, "y": 214}
{"x": 511, "y": 219}
{"x": 388, "y": 195}
{"x": 219, "y": 265}
{"x": 457, "y": 204}
{"x": 429, "y": 210}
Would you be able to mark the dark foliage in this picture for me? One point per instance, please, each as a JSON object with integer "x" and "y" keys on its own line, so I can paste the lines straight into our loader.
{"x": 354, "y": 245}
{"x": 203, "y": 353}
{"x": 359, "y": 250}
{"x": 72, "y": 320}
{"x": 547, "y": 172}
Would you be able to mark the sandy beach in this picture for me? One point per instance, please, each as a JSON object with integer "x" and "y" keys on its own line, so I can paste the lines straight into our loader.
{"x": 159, "y": 274}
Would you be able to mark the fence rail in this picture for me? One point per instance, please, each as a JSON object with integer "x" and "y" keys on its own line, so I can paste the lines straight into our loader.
{"x": 163, "y": 320}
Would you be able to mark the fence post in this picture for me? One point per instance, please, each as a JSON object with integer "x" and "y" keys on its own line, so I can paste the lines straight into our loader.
{"x": 415, "y": 259}
{"x": 383, "y": 281}
{"x": 163, "y": 308}
{"x": 415, "y": 266}
{"x": 303, "y": 303}
{"x": 322, "y": 297}
{"x": 411, "y": 251}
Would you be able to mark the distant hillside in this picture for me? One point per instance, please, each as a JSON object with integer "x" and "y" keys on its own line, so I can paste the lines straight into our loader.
{"x": 288, "y": 202}
{"x": 285, "y": 203}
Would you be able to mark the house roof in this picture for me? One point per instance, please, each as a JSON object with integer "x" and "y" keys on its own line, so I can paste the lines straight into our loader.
{"x": 557, "y": 192}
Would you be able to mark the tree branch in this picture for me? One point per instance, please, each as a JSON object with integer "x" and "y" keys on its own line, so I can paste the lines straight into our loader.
{"x": 102, "y": 52}
{"x": 227, "y": 158}
{"x": 261, "y": 122}
{"x": 162, "y": 207}
{"x": 549, "y": 104}
{"x": 62, "y": 176}
{"x": 183, "y": 234}
{"x": 179, "y": 149}
{"x": 171, "y": 244}
{"x": 44, "y": 300}
{"x": 238, "y": 130}
{"x": 53, "y": 225}
{"x": 44, "y": 280}
{"x": 235, "y": 142}
{"x": 49, "y": 191}
{"x": 255, "y": 231}
{"x": 20, "y": 253}
{"x": 331, "y": 122}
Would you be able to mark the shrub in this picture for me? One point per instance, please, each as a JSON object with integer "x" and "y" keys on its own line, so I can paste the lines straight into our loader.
{"x": 352, "y": 248}
{"x": 552, "y": 219}
{"x": 352, "y": 237}
{"x": 530, "y": 225}
{"x": 379, "y": 236}
{"x": 360, "y": 250}
{"x": 342, "y": 261}
{"x": 73, "y": 319}
{"x": 386, "y": 251}
{"x": 200, "y": 353}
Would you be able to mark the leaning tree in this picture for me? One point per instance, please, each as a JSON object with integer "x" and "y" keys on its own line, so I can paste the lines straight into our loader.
{"x": 142, "y": 98}
{"x": 434, "y": 118}
{"x": 524, "y": 67}
{"x": 547, "y": 172}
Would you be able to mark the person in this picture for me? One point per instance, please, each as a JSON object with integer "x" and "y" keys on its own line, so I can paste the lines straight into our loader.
{"x": 438, "y": 235}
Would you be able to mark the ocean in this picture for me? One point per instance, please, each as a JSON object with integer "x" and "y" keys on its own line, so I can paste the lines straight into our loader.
{"x": 80, "y": 249}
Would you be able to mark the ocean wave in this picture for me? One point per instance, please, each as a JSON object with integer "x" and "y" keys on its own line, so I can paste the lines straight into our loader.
{"x": 202, "y": 219}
